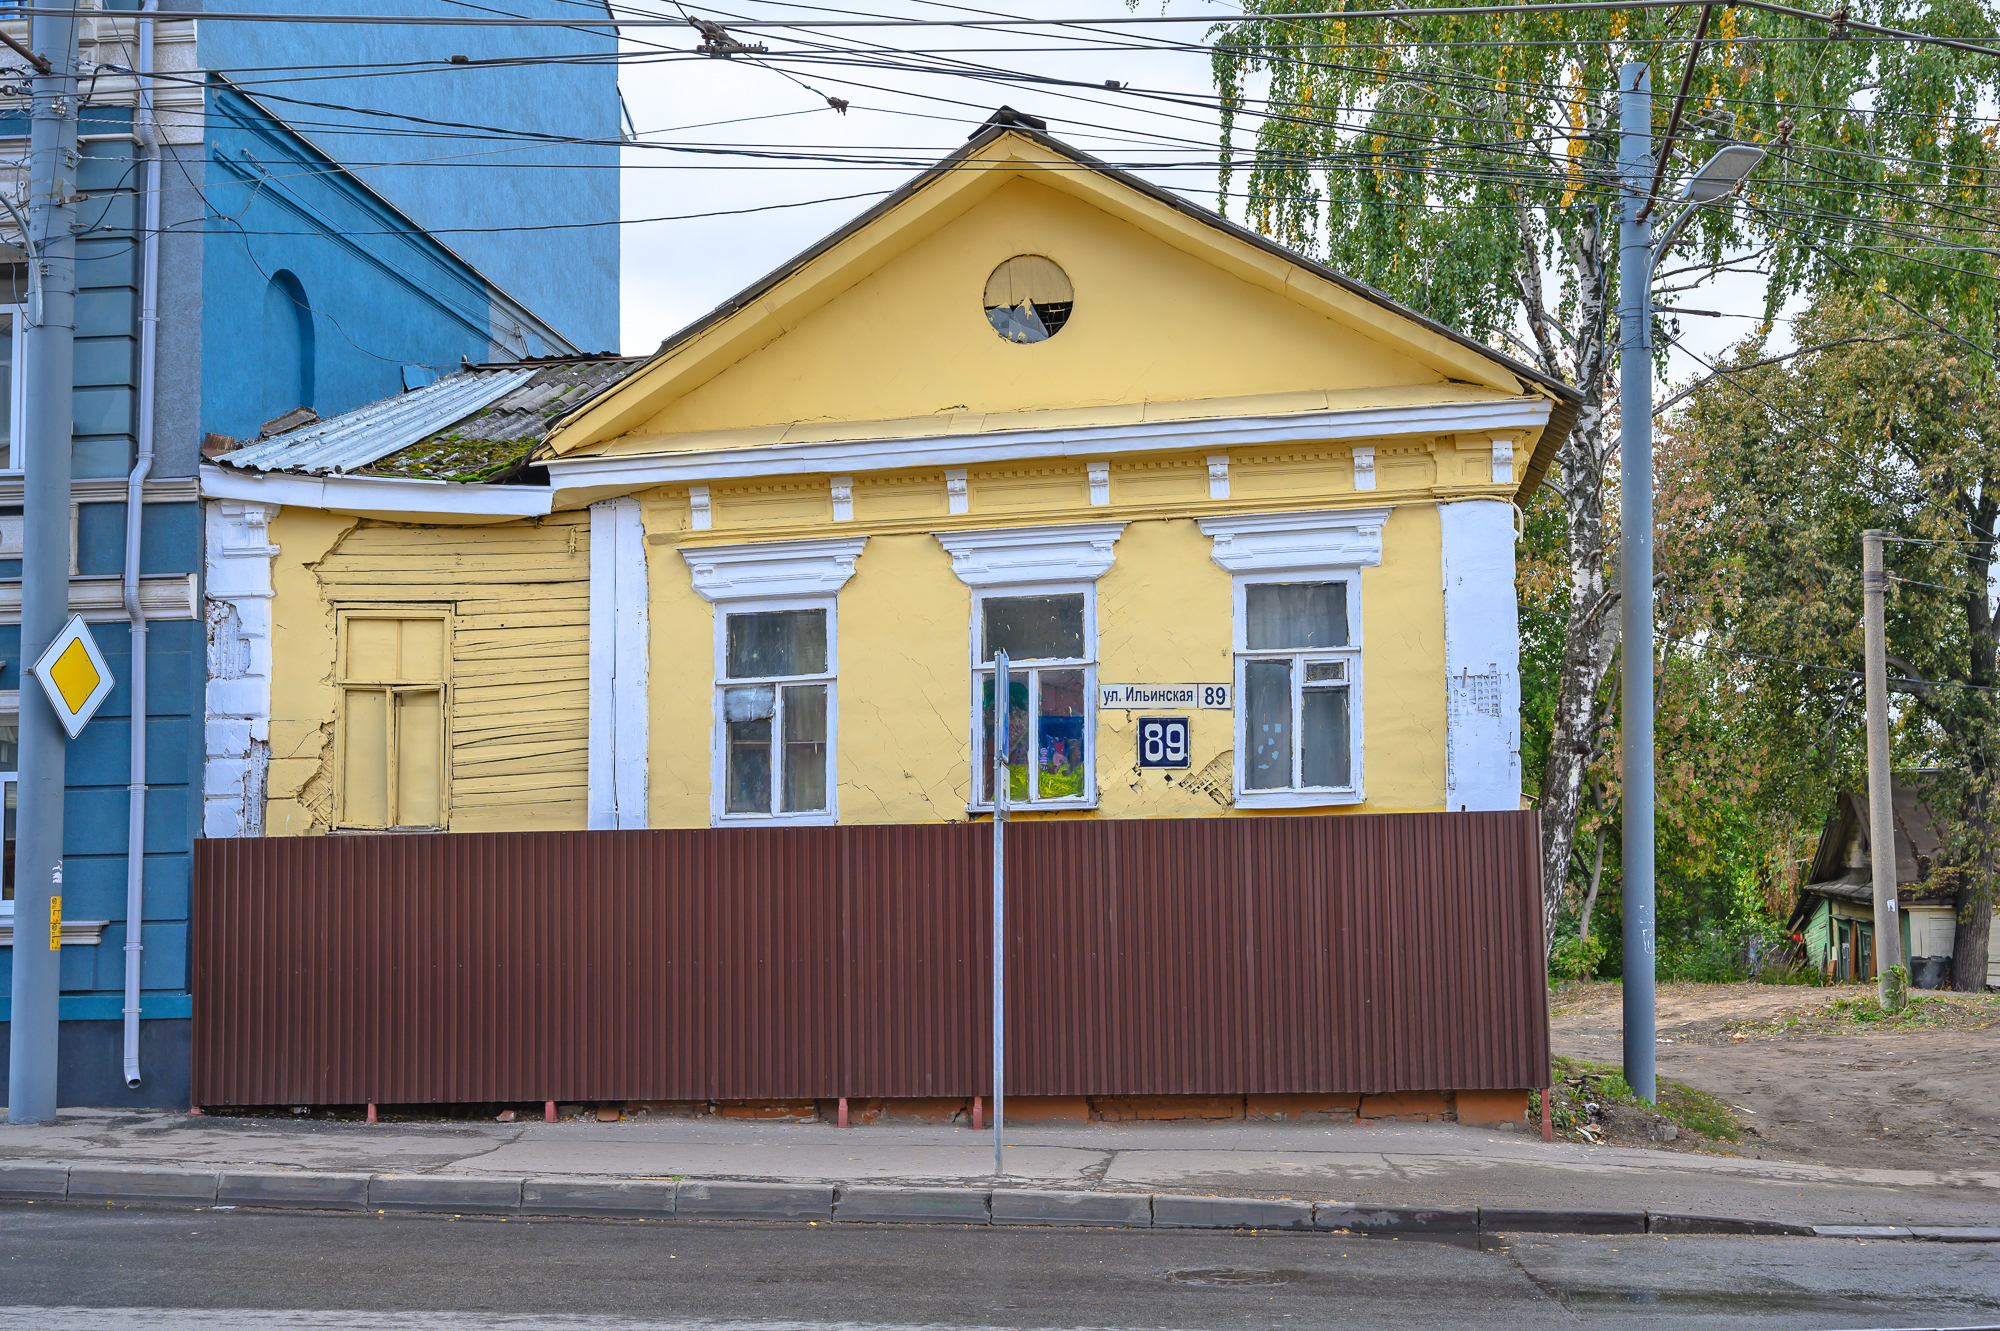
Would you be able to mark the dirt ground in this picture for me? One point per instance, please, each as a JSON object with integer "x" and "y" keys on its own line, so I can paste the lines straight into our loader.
{"x": 1807, "y": 1085}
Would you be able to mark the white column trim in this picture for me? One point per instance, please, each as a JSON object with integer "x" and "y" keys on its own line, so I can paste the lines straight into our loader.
{"x": 1482, "y": 656}
{"x": 956, "y": 500}
{"x": 843, "y": 497}
{"x": 1218, "y": 476}
{"x": 1100, "y": 481}
{"x": 620, "y": 650}
{"x": 1503, "y": 460}
{"x": 236, "y": 721}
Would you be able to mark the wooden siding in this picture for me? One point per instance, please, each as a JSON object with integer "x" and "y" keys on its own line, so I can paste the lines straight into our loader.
{"x": 518, "y": 719}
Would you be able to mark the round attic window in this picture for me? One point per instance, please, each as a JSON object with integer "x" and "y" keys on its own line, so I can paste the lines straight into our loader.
{"x": 1028, "y": 299}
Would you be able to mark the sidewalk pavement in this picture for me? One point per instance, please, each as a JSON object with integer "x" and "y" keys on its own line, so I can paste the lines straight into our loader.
{"x": 1383, "y": 1165}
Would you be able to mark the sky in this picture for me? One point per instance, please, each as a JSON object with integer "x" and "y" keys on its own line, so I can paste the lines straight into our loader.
{"x": 1158, "y": 124}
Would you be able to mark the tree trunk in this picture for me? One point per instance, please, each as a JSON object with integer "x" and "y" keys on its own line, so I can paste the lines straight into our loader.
{"x": 1596, "y": 878}
{"x": 1970, "y": 938}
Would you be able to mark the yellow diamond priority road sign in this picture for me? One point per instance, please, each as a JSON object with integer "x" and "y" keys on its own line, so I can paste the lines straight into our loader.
{"x": 74, "y": 675}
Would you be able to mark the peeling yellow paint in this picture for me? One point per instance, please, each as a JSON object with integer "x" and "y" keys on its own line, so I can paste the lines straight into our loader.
{"x": 517, "y": 714}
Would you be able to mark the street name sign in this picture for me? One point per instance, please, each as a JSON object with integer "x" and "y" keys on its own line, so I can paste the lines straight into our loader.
{"x": 1212, "y": 696}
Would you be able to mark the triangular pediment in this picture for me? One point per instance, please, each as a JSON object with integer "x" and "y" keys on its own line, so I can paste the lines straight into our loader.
{"x": 887, "y": 320}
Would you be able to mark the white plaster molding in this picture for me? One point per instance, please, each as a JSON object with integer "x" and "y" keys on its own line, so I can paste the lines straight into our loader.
{"x": 1002, "y": 556}
{"x": 236, "y": 721}
{"x": 773, "y": 568}
{"x": 1364, "y": 468}
{"x": 1482, "y": 656}
{"x": 701, "y": 516}
{"x": 957, "y": 499}
{"x": 1503, "y": 460}
{"x": 1218, "y": 476}
{"x": 100, "y": 598}
{"x": 75, "y": 933}
{"x": 444, "y": 501}
{"x": 620, "y": 649}
{"x": 843, "y": 497}
{"x": 109, "y": 490}
{"x": 1100, "y": 481}
{"x": 1297, "y": 542}
{"x": 954, "y": 451}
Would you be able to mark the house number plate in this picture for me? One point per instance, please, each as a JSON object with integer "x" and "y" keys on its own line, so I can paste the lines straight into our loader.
{"x": 1163, "y": 741}
{"x": 1211, "y": 696}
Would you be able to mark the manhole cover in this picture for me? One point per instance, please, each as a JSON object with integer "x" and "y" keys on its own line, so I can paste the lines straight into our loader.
{"x": 1228, "y": 1275}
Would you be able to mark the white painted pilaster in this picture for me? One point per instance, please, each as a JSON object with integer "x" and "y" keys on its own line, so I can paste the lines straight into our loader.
{"x": 236, "y": 723}
{"x": 1364, "y": 467}
{"x": 620, "y": 643}
{"x": 1482, "y": 657}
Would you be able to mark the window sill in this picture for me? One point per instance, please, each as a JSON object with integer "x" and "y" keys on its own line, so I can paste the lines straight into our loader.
{"x": 828, "y": 819}
{"x": 1045, "y": 806}
{"x": 75, "y": 933}
{"x": 1296, "y": 799}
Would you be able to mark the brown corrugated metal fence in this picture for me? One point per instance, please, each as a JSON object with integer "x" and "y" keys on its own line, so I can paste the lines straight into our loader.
{"x": 1193, "y": 956}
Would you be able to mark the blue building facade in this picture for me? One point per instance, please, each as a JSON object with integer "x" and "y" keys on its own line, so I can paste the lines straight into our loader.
{"x": 286, "y": 280}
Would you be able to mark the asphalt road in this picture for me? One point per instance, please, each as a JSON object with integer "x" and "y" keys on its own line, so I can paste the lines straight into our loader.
{"x": 73, "y": 1269}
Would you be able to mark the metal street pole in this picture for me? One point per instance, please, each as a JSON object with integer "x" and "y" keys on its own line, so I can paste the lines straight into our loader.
{"x": 1635, "y": 564}
{"x": 47, "y": 354}
{"x": 1881, "y": 812}
{"x": 1001, "y": 796}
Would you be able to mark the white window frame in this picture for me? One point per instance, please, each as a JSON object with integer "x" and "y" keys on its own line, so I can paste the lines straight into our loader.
{"x": 982, "y": 670}
{"x": 1325, "y": 545}
{"x": 718, "y": 777}
{"x": 17, "y": 392}
{"x": 1298, "y": 795}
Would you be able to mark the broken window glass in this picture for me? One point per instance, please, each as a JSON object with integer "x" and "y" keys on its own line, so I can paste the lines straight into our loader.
{"x": 1028, "y": 299}
{"x": 747, "y": 714}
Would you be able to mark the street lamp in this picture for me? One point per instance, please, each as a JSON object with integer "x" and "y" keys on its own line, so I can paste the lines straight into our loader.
{"x": 1638, "y": 256}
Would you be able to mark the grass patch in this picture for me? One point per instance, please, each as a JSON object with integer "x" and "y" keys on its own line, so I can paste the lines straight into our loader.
{"x": 1864, "y": 1012}
{"x": 1703, "y": 1118}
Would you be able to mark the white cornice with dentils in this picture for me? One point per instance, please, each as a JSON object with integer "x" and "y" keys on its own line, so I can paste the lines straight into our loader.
{"x": 446, "y": 501}
{"x": 847, "y": 456}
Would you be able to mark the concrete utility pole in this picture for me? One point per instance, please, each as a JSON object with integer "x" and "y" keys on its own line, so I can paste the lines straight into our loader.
{"x": 1881, "y": 807}
{"x": 47, "y": 355}
{"x": 1635, "y": 564}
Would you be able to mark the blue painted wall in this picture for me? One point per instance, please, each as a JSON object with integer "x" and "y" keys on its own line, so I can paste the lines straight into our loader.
{"x": 288, "y": 280}
{"x": 315, "y": 292}
{"x": 394, "y": 79}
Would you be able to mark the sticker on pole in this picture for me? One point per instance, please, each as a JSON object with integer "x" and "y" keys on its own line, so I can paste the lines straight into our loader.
{"x": 74, "y": 675}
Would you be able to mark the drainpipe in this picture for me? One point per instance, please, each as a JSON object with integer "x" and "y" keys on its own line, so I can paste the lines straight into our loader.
{"x": 135, "y": 506}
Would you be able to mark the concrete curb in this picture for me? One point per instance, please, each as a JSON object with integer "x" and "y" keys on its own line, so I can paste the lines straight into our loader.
{"x": 732, "y": 1199}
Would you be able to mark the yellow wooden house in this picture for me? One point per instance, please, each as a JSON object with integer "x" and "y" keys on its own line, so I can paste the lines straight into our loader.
{"x": 1243, "y": 527}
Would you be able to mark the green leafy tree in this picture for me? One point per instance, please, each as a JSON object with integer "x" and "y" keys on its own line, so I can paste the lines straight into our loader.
{"x": 1775, "y": 471}
{"x": 1464, "y": 163}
